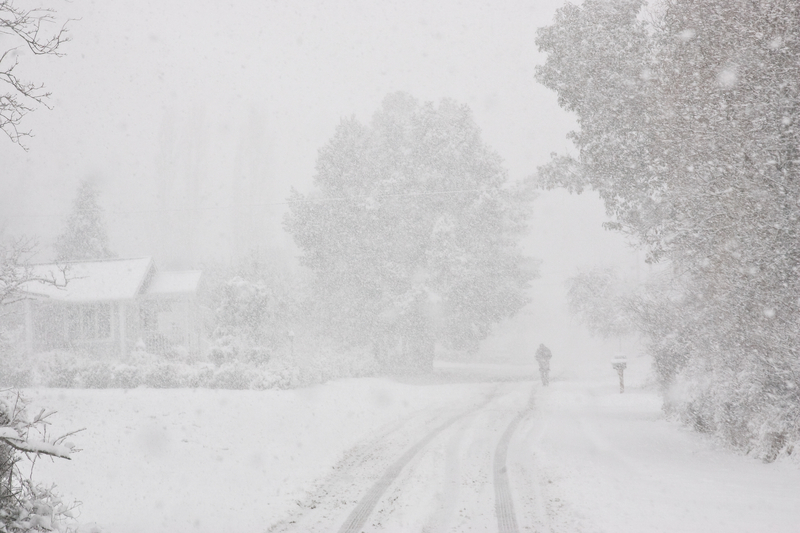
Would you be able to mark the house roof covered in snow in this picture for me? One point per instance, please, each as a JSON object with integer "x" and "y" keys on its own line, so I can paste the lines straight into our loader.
{"x": 174, "y": 282}
{"x": 92, "y": 281}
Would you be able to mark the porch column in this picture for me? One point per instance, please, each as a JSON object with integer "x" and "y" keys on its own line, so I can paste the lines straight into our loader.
{"x": 188, "y": 326}
{"x": 122, "y": 329}
{"x": 28, "y": 326}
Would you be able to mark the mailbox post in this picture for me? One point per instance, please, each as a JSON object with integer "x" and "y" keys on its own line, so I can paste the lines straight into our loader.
{"x": 619, "y": 364}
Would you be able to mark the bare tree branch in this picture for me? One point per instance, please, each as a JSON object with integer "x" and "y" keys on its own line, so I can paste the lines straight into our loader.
{"x": 16, "y": 271}
{"x": 28, "y": 27}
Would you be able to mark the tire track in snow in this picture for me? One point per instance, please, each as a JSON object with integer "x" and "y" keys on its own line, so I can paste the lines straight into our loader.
{"x": 317, "y": 512}
{"x": 533, "y": 516}
{"x": 359, "y": 516}
{"x": 504, "y": 503}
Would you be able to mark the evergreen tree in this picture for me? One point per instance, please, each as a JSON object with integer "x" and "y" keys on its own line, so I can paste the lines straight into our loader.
{"x": 85, "y": 236}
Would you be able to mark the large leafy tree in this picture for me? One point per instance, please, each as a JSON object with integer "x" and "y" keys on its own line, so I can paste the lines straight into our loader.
{"x": 85, "y": 236}
{"x": 411, "y": 232}
{"x": 689, "y": 131}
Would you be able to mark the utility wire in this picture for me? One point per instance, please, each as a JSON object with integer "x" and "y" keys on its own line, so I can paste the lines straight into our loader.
{"x": 267, "y": 204}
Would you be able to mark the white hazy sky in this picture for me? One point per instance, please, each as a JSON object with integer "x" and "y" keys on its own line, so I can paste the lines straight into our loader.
{"x": 189, "y": 112}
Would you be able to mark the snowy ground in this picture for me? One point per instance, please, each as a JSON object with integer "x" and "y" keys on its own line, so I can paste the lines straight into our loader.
{"x": 410, "y": 455}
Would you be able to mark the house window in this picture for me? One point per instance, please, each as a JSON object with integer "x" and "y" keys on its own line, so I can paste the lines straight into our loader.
{"x": 90, "y": 322}
{"x": 97, "y": 321}
{"x": 49, "y": 325}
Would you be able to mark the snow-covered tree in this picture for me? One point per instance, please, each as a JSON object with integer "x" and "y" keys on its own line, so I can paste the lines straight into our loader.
{"x": 597, "y": 297}
{"x": 251, "y": 320}
{"x": 411, "y": 232}
{"x": 85, "y": 236}
{"x": 689, "y": 132}
{"x": 33, "y": 29}
{"x": 255, "y": 303}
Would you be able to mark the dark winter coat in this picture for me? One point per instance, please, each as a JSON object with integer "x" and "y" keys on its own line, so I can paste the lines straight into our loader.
{"x": 543, "y": 355}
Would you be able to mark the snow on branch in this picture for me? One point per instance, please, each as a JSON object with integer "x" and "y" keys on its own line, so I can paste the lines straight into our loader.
{"x": 38, "y": 447}
{"x": 15, "y": 431}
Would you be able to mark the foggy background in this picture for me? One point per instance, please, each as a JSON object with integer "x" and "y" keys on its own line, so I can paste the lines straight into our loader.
{"x": 195, "y": 118}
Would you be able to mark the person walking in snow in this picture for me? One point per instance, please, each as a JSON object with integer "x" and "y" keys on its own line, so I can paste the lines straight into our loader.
{"x": 543, "y": 356}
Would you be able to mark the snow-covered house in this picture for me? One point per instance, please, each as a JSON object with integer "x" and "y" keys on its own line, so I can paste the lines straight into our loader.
{"x": 107, "y": 307}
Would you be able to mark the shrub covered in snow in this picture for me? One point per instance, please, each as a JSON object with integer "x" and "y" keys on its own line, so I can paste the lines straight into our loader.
{"x": 24, "y": 505}
{"x": 255, "y": 303}
{"x": 718, "y": 377}
{"x": 141, "y": 369}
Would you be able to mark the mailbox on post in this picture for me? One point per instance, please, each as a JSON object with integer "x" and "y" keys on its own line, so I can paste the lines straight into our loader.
{"x": 619, "y": 363}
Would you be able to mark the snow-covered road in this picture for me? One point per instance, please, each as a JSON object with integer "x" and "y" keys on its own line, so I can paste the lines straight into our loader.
{"x": 439, "y": 470}
{"x": 598, "y": 461}
{"x": 454, "y": 453}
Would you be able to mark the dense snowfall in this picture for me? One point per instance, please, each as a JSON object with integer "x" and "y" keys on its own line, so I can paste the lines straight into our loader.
{"x": 278, "y": 292}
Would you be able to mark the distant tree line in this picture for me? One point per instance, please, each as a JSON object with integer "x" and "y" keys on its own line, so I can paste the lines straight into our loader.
{"x": 689, "y": 122}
